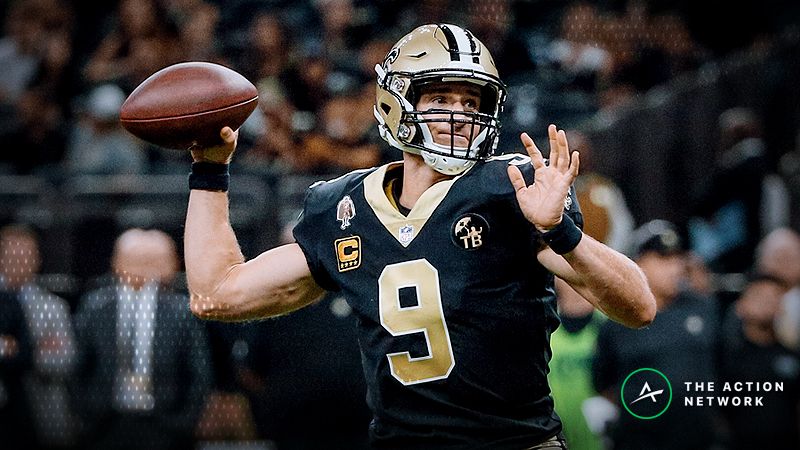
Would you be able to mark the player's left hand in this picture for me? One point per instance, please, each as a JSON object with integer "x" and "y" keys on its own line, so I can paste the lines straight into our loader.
{"x": 542, "y": 203}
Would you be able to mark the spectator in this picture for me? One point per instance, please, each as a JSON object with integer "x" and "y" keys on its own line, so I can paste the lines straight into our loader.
{"x": 227, "y": 415}
{"x": 606, "y": 214}
{"x": 751, "y": 352}
{"x": 698, "y": 278}
{"x": 495, "y": 21}
{"x": 344, "y": 27}
{"x": 55, "y": 74}
{"x": 729, "y": 217}
{"x": 778, "y": 255}
{"x": 142, "y": 372}
{"x": 577, "y": 50}
{"x": 269, "y": 47}
{"x": 39, "y": 129}
{"x": 36, "y": 86}
{"x": 20, "y": 49}
{"x": 789, "y": 169}
{"x": 50, "y": 324}
{"x": 308, "y": 85}
{"x": 306, "y": 367}
{"x": 197, "y": 22}
{"x": 142, "y": 40}
{"x": 16, "y": 357}
{"x": 681, "y": 343}
{"x": 99, "y": 144}
{"x": 271, "y": 56}
{"x": 573, "y": 345}
{"x": 343, "y": 141}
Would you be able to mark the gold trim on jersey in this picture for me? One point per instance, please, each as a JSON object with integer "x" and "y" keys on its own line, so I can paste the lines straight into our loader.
{"x": 388, "y": 214}
{"x": 388, "y": 191}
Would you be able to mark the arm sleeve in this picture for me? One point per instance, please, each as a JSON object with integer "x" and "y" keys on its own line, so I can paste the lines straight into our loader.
{"x": 307, "y": 235}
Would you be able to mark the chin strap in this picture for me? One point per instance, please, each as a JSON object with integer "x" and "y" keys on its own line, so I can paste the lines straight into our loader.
{"x": 446, "y": 165}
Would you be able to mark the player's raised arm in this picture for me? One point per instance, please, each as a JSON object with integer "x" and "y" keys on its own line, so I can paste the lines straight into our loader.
{"x": 222, "y": 285}
{"x": 608, "y": 279}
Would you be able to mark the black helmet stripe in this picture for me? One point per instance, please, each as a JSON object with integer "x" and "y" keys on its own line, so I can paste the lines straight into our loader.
{"x": 452, "y": 43}
{"x": 473, "y": 47}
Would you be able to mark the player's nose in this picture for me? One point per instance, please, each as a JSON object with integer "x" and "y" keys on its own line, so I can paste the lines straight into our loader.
{"x": 458, "y": 105}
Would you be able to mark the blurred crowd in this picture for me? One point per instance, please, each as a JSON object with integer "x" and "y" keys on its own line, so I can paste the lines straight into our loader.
{"x": 90, "y": 370}
{"x": 68, "y": 67}
{"x": 131, "y": 368}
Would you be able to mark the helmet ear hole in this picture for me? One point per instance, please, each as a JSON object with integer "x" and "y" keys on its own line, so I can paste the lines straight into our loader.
{"x": 386, "y": 108}
{"x": 488, "y": 99}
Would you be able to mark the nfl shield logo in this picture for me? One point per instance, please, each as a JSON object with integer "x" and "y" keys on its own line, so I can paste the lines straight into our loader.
{"x": 406, "y": 234}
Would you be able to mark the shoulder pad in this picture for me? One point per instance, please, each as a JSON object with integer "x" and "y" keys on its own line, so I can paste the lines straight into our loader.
{"x": 326, "y": 194}
{"x": 494, "y": 172}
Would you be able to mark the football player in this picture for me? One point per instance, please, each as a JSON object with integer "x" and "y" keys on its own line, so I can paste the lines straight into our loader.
{"x": 447, "y": 257}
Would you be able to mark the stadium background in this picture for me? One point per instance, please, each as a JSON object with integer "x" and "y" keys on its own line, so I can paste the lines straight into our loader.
{"x": 645, "y": 81}
{"x": 649, "y": 101}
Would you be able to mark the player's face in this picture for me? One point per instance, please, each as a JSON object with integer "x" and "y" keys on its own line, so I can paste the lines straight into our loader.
{"x": 19, "y": 259}
{"x": 455, "y": 97}
{"x": 760, "y": 302}
{"x": 664, "y": 273}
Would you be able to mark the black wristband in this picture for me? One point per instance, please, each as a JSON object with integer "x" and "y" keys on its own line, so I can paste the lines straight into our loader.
{"x": 209, "y": 176}
{"x": 564, "y": 237}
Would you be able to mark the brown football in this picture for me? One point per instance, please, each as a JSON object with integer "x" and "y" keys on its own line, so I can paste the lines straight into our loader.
{"x": 188, "y": 104}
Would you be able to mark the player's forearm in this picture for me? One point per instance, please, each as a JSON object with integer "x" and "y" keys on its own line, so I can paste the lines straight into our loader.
{"x": 616, "y": 285}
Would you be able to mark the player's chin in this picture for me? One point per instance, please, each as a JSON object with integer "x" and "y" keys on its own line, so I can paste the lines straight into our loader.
{"x": 459, "y": 142}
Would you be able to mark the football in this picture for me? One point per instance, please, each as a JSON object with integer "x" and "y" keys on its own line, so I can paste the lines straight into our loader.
{"x": 187, "y": 104}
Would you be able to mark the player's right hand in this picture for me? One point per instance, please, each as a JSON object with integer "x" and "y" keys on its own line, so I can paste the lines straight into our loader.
{"x": 221, "y": 154}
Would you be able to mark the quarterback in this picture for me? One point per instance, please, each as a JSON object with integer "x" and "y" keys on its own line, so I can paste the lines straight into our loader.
{"x": 446, "y": 257}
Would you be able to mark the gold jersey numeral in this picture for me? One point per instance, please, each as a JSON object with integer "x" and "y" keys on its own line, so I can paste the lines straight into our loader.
{"x": 425, "y": 317}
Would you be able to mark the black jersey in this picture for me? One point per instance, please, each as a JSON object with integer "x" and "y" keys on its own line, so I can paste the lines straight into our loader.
{"x": 454, "y": 311}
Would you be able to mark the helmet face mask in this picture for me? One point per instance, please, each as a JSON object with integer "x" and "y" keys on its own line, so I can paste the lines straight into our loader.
{"x": 440, "y": 54}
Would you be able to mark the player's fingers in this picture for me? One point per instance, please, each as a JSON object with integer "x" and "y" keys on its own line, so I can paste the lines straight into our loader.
{"x": 533, "y": 151}
{"x": 574, "y": 167}
{"x": 563, "y": 150}
{"x": 552, "y": 134}
{"x": 516, "y": 178}
{"x": 228, "y": 135}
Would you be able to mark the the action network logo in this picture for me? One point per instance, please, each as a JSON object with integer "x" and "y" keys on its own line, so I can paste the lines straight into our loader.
{"x": 646, "y": 393}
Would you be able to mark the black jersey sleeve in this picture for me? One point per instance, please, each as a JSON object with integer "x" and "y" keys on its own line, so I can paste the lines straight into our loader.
{"x": 306, "y": 235}
{"x": 317, "y": 225}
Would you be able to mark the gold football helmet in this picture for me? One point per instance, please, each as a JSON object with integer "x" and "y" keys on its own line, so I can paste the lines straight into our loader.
{"x": 438, "y": 53}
